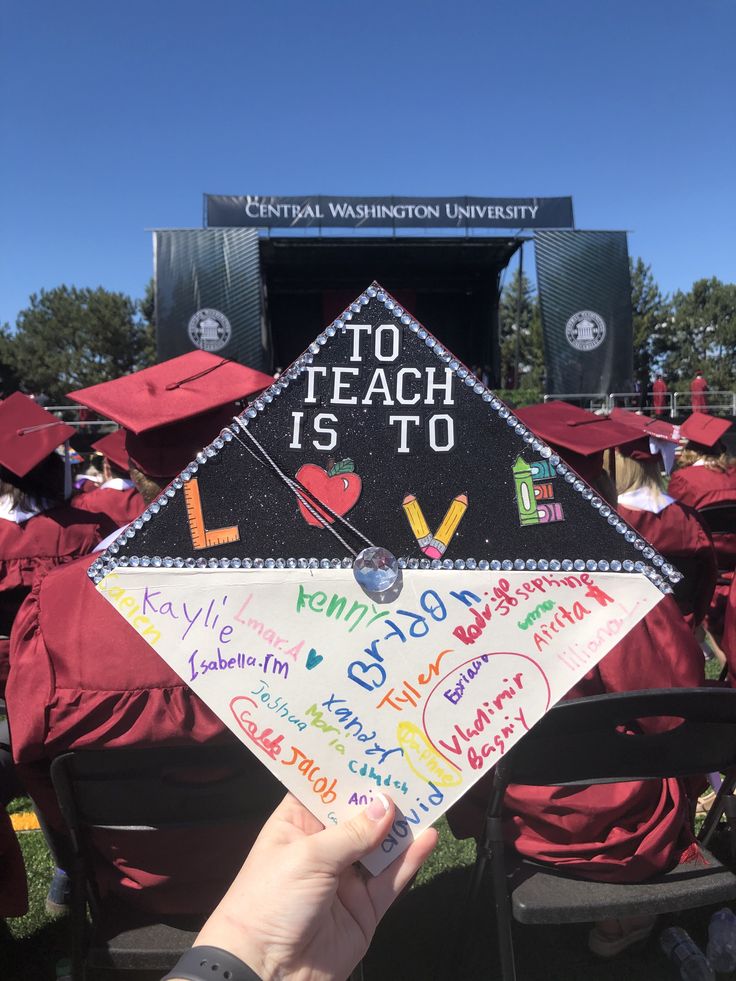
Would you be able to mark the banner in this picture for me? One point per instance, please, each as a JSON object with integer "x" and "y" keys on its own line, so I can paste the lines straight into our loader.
{"x": 319, "y": 211}
{"x": 585, "y": 298}
{"x": 208, "y": 294}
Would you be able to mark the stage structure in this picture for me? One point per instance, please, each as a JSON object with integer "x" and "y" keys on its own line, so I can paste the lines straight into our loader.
{"x": 266, "y": 274}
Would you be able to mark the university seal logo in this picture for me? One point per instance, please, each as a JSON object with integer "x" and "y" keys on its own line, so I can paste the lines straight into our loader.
{"x": 209, "y": 330}
{"x": 585, "y": 330}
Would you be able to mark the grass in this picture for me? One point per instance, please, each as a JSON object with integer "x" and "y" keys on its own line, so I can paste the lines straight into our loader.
{"x": 31, "y": 945}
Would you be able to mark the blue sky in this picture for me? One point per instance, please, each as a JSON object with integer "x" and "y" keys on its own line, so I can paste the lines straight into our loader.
{"x": 117, "y": 117}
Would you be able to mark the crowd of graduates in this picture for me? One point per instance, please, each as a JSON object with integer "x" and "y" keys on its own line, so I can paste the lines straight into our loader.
{"x": 74, "y": 674}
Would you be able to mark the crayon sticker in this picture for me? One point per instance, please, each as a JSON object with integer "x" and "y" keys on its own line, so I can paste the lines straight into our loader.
{"x": 534, "y": 494}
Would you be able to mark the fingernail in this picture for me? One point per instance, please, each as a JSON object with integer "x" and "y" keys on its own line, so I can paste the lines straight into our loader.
{"x": 377, "y": 807}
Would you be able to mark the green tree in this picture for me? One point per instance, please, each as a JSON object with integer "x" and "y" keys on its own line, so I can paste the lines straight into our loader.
{"x": 531, "y": 349}
{"x": 147, "y": 307}
{"x": 704, "y": 334}
{"x": 652, "y": 321}
{"x": 70, "y": 338}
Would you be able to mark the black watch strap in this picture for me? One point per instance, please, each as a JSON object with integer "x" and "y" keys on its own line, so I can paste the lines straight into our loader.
{"x": 210, "y": 964}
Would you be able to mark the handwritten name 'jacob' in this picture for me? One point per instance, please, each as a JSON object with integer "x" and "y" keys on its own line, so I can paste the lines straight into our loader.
{"x": 408, "y": 386}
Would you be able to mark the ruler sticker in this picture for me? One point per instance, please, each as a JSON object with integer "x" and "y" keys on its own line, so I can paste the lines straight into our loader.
{"x": 201, "y": 537}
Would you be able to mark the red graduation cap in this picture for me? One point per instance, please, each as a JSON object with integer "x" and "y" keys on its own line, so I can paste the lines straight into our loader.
{"x": 171, "y": 410}
{"x": 112, "y": 446}
{"x": 704, "y": 429}
{"x": 657, "y": 438}
{"x": 580, "y": 436}
{"x": 645, "y": 426}
{"x": 28, "y": 434}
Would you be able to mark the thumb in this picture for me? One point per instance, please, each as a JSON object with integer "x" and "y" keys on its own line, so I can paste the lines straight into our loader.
{"x": 348, "y": 842}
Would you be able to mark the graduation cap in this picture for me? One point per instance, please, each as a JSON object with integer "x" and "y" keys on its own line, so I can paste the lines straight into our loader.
{"x": 657, "y": 438}
{"x": 112, "y": 446}
{"x": 703, "y": 431}
{"x": 28, "y": 434}
{"x": 379, "y": 575}
{"x": 580, "y": 437}
{"x": 170, "y": 410}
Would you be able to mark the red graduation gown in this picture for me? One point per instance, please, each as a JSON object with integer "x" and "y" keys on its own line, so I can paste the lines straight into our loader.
{"x": 698, "y": 401}
{"x": 81, "y": 677}
{"x": 659, "y": 397}
{"x": 121, "y": 506}
{"x": 678, "y": 534}
{"x": 625, "y": 832}
{"x": 27, "y": 550}
{"x": 34, "y": 547}
{"x": 700, "y": 487}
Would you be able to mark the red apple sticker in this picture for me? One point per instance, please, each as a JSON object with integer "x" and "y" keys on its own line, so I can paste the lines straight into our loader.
{"x": 338, "y": 488}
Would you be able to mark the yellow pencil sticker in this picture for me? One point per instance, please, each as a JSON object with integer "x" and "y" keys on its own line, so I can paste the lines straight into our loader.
{"x": 434, "y": 546}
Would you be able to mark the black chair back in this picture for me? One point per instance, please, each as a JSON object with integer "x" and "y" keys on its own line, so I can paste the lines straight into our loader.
{"x": 719, "y": 519}
{"x": 599, "y": 739}
{"x": 144, "y": 790}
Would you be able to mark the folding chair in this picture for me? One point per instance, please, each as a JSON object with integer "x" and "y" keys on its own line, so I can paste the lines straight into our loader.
{"x": 144, "y": 790}
{"x": 583, "y": 742}
{"x": 720, "y": 519}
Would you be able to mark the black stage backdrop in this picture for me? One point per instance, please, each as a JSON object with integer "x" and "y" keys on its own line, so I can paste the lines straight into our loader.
{"x": 585, "y": 298}
{"x": 208, "y": 294}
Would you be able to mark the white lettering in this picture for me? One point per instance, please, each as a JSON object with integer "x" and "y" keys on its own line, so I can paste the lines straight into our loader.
{"x": 313, "y": 370}
{"x": 378, "y": 383}
{"x": 445, "y": 386}
{"x": 394, "y": 333}
{"x": 325, "y": 431}
{"x": 400, "y": 375}
{"x": 356, "y": 329}
{"x": 403, "y": 422}
{"x": 338, "y": 385}
{"x": 296, "y": 431}
{"x": 449, "y": 436}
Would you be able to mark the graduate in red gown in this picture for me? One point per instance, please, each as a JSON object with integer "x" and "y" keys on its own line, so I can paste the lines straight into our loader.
{"x": 624, "y": 832}
{"x": 706, "y": 476}
{"x": 659, "y": 395}
{"x": 37, "y": 529}
{"x": 673, "y": 528}
{"x": 82, "y": 677}
{"x": 705, "y": 473}
{"x": 117, "y": 495}
{"x": 698, "y": 389}
{"x": 37, "y": 532}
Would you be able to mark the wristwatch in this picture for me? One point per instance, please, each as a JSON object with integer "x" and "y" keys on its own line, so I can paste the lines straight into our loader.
{"x": 210, "y": 964}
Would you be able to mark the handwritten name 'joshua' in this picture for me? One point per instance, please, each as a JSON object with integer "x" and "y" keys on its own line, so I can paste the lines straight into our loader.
{"x": 406, "y": 387}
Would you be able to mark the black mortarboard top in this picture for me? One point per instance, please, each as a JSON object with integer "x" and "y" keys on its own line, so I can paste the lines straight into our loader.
{"x": 378, "y": 435}
{"x": 171, "y": 409}
{"x": 28, "y": 434}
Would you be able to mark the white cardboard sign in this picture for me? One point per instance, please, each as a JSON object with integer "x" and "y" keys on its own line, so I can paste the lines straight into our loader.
{"x": 342, "y": 697}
